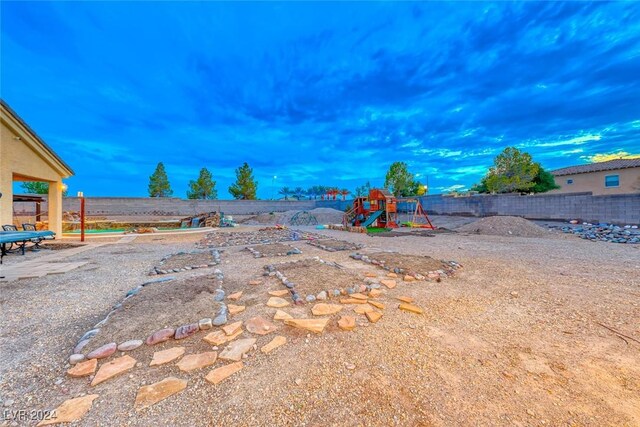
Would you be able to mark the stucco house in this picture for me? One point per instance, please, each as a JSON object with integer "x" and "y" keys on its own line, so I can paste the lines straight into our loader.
{"x": 24, "y": 156}
{"x": 620, "y": 176}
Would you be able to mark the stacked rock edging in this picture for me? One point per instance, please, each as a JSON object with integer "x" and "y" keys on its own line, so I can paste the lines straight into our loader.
{"x": 449, "y": 269}
{"x": 272, "y": 270}
{"x": 159, "y": 270}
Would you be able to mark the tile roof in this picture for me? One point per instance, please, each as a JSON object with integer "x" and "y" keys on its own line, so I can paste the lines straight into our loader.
{"x": 598, "y": 167}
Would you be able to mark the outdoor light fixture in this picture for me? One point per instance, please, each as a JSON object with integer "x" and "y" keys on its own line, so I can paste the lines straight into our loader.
{"x": 81, "y": 197}
{"x": 63, "y": 187}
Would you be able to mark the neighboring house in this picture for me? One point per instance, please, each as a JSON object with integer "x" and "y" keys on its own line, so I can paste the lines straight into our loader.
{"x": 26, "y": 157}
{"x": 621, "y": 176}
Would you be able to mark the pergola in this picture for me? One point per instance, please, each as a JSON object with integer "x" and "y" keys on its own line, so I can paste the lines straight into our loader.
{"x": 24, "y": 156}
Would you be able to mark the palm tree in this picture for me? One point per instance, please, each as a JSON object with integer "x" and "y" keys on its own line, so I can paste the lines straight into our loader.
{"x": 285, "y": 191}
{"x": 298, "y": 193}
{"x": 344, "y": 192}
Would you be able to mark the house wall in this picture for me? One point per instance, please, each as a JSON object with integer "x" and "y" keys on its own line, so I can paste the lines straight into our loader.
{"x": 19, "y": 162}
{"x": 594, "y": 182}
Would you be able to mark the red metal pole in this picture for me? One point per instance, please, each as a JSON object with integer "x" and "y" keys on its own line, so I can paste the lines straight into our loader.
{"x": 82, "y": 219}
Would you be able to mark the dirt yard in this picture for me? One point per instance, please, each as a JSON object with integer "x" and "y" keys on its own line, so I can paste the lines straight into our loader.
{"x": 532, "y": 331}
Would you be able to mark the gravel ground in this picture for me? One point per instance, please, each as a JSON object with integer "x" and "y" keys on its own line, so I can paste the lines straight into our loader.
{"x": 513, "y": 339}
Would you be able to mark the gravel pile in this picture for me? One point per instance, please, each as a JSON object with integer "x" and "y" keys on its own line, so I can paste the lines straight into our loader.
{"x": 322, "y": 215}
{"x": 504, "y": 226}
{"x": 605, "y": 232}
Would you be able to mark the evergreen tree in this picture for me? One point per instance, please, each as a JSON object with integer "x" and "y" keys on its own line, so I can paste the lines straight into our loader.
{"x": 204, "y": 187}
{"x": 544, "y": 181}
{"x": 159, "y": 183}
{"x": 245, "y": 187}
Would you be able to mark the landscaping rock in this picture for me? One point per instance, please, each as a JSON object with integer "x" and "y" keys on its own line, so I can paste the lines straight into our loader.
{"x": 373, "y": 316}
{"x": 160, "y": 336}
{"x": 219, "y": 374}
{"x": 191, "y": 362}
{"x": 218, "y": 295}
{"x": 232, "y": 328}
{"x": 219, "y": 337}
{"x": 352, "y": 301}
{"x": 71, "y": 410}
{"x": 236, "y": 349}
{"x": 325, "y": 309}
{"x": 151, "y": 394}
{"x": 408, "y": 300}
{"x": 83, "y": 369}
{"x": 313, "y": 325}
{"x": 410, "y": 308}
{"x": 347, "y": 323}
{"x": 281, "y": 315}
{"x": 235, "y": 296}
{"x": 129, "y": 345}
{"x": 273, "y": 344}
{"x": 205, "y": 324}
{"x": 322, "y": 296}
{"x": 279, "y": 293}
{"x": 363, "y": 309}
{"x": 185, "y": 331}
{"x": 389, "y": 283}
{"x": 259, "y": 325}
{"x": 166, "y": 356}
{"x": 104, "y": 351}
{"x": 76, "y": 358}
{"x": 235, "y": 309}
{"x": 113, "y": 368}
{"x": 377, "y": 304}
{"x": 277, "y": 302}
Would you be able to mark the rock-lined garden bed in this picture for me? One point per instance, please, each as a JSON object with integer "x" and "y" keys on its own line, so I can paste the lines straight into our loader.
{"x": 314, "y": 279}
{"x": 151, "y": 311}
{"x": 262, "y": 236}
{"x": 184, "y": 261}
{"x": 332, "y": 245}
{"x": 273, "y": 249}
{"x": 411, "y": 267}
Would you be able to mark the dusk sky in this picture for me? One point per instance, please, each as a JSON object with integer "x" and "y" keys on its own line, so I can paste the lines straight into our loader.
{"x": 319, "y": 93}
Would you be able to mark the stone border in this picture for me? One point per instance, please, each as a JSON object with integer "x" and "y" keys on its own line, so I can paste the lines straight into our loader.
{"x": 157, "y": 270}
{"x": 272, "y": 270}
{"x": 257, "y": 254}
{"x": 181, "y": 332}
{"x": 436, "y": 275}
{"x": 354, "y": 246}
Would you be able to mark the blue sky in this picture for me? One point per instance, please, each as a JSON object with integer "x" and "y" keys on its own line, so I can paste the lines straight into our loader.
{"x": 319, "y": 93}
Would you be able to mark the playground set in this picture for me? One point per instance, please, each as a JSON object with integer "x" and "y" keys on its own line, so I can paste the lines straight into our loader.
{"x": 380, "y": 211}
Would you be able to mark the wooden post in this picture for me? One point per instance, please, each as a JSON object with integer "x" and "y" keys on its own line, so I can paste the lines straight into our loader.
{"x": 82, "y": 218}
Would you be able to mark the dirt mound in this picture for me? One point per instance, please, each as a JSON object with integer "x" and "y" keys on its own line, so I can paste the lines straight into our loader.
{"x": 322, "y": 216}
{"x": 504, "y": 226}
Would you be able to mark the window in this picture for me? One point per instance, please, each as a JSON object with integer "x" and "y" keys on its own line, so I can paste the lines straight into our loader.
{"x": 569, "y": 181}
{"x": 612, "y": 181}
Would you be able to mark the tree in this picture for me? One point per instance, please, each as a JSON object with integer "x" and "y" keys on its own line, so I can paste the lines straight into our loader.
{"x": 204, "y": 187}
{"x": 515, "y": 171}
{"x": 35, "y": 187}
{"x": 399, "y": 180}
{"x": 285, "y": 191}
{"x": 344, "y": 193}
{"x": 159, "y": 183}
{"x": 246, "y": 186}
{"x": 512, "y": 170}
{"x": 298, "y": 193}
{"x": 363, "y": 190}
{"x": 544, "y": 181}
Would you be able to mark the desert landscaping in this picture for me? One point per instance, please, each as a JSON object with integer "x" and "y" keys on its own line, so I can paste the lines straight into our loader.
{"x": 474, "y": 326}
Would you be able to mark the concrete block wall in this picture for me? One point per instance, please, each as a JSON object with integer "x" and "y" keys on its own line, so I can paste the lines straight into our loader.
{"x": 618, "y": 209}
